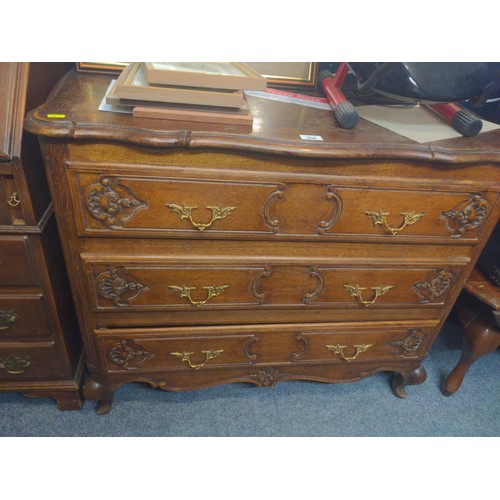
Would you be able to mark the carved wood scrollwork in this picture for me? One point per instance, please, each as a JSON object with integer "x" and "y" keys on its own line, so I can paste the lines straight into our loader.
{"x": 278, "y": 193}
{"x": 434, "y": 286}
{"x": 408, "y": 345}
{"x": 466, "y": 215}
{"x": 297, "y": 356}
{"x": 331, "y": 195}
{"x": 118, "y": 286}
{"x": 265, "y": 273}
{"x": 112, "y": 203}
{"x": 253, "y": 357}
{"x": 129, "y": 355}
{"x": 310, "y": 296}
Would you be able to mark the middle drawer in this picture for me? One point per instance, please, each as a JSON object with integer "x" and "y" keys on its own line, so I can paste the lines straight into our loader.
{"x": 23, "y": 317}
{"x": 194, "y": 285}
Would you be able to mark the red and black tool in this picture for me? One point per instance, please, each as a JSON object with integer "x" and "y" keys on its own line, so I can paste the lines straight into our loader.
{"x": 459, "y": 118}
{"x": 345, "y": 113}
{"x": 439, "y": 86}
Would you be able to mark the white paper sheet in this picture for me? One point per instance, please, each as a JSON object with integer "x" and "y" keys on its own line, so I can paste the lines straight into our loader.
{"x": 414, "y": 122}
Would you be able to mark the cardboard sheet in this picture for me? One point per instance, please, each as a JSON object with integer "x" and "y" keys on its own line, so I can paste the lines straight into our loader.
{"x": 414, "y": 122}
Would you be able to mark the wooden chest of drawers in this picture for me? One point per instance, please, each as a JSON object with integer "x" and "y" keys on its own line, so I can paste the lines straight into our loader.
{"x": 205, "y": 255}
{"x": 40, "y": 347}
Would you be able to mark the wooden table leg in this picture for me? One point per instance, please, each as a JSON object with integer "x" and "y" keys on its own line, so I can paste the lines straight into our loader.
{"x": 482, "y": 336}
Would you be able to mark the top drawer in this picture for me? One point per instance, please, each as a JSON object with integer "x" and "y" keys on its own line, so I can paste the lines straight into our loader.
{"x": 134, "y": 205}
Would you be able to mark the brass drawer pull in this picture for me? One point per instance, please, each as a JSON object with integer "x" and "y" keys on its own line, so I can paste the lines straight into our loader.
{"x": 339, "y": 349}
{"x": 380, "y": 218}
{"x": 14, "y": 200}
{"x": 186, "y": 357}
{"x": 185, "y": 292}
{"x": 184, "y": 212}
{"x": 7, "y": 319}
{"x": 356, "y": 291}
{"x": 15, "y": 365}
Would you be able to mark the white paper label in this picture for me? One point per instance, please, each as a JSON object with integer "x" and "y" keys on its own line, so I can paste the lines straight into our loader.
{"x": 311, "y": 137}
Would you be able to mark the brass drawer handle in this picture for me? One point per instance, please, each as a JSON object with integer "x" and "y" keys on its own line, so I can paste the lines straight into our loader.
{"x": 7, "y": 319}
{"x": 15, "y": 365}
{"x": 184, "y": 212}
{"x": 380, "y": 218}
{"x": 14, "y": 200}
{"x": 356, "y": 291}
{"x": 185, "y": 292}
{"x": 186, "y": 357}
{"x": 339, "y": 349}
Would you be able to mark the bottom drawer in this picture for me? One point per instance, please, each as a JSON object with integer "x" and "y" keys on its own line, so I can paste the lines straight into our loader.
{"x": 205, "y": 348}
{"x": 28, "y": 362}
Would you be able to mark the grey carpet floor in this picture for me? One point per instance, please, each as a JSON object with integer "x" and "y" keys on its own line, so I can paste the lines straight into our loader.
{"x": 290, "y": 409}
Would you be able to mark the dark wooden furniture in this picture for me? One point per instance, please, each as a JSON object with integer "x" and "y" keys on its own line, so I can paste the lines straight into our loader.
{"x": 40, "y": 349}
{"x": 478, "y": 309}
{"x": 203, "y": 255}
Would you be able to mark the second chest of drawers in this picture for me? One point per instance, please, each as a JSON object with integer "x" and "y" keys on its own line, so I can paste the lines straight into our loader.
{"x": 237, "y": 262}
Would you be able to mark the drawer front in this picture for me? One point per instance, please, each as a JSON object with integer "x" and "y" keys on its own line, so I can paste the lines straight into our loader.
{"x": 205, "y": 348}
{"x": 10, "y": 202}
{"x": 16, "y": 262}
{"x": 23, "y": 317}
{"x": 205, "y": 208}
{"x": 177, "y": 352}
{"x": 195, "y": 286}
{"x": 29, "y": 362}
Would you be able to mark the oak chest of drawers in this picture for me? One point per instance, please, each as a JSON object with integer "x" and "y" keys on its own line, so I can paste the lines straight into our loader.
{"x": 40, "y": 347}
{"x": 206, "y": 255}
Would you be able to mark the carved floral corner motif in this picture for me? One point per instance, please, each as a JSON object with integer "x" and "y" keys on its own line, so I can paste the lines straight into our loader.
{"x": 409, "y": 345}
{"x": 433, "y": 286}
{"x": 129, "y": 355}
{"x": 466, "y": 215}
{"x": 112, "y": 203}
{"x": 118, "y": 286}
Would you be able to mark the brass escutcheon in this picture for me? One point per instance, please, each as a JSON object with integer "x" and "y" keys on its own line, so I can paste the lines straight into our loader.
{"x": 380, "y": 218}
{"x": 186, "y": 357}
{"x": 7, "y": 319}
{"x": 15, "y": 365}
{"x": 339, "y": 349}
{"x": 185, "y": 292}
{"x": 356, "y": 291}
{"x": 184, "y": 212}
{"x": 14, "y": 200}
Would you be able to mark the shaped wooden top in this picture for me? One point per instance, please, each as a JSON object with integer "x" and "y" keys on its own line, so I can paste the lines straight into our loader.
{"x": 276, "y": 130}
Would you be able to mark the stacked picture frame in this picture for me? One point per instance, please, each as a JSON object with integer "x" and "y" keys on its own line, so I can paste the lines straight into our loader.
{"x": 201, "y": 92}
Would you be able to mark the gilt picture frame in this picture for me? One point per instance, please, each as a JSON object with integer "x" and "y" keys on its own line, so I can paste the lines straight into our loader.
{"x": 112, "y": 68}
{"x": 278, "y": 74}
{"x": 288, "y": 74}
